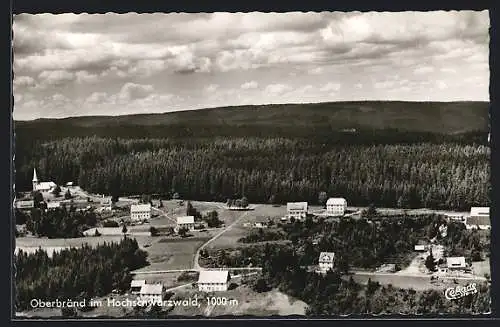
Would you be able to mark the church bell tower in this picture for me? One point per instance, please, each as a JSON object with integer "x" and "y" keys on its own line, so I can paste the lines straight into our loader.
{"x": 35, "y": 179}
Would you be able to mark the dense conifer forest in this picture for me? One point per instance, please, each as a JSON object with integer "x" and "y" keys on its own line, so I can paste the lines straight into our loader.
{"x": 76, "y": 273}
{"x": 392, "y": 154}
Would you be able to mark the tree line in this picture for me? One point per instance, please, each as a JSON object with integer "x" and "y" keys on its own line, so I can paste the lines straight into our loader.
{"x": 439, "y": 176}
{"x": 357, "y": 243}
{"x": 76, "y": 273}
{"x": 58, "y": 222}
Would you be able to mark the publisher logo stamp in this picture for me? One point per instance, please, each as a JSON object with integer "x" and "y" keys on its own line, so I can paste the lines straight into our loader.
{"x": 454, "y": 293}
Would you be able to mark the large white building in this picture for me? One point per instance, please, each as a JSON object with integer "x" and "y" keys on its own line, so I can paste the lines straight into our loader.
{"x": 185, "y": 222}
{"x": 296, "y": 210}
{"x": 456, "y": 263}
{"x": 152, "y": 292}
{"x": 136, "y": 286}
{"x": 326, "y": 261}
{"x": 25, "y": 204}
{"x": 42, "y": 186}
{"x": 336, "y": 206}
{"x": 479, "y": 218}
{"x": 140, "y": 212}
{"x": 213, "y": 280}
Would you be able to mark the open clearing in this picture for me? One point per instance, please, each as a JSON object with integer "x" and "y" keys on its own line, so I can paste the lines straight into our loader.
{"x": 166, "y": 254}
{"x": 248, "y": 303}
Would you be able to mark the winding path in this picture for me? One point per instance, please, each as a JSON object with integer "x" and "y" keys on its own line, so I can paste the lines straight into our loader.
{"x": 196, "y": 264}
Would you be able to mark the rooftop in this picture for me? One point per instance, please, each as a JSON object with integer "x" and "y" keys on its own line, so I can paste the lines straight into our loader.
{"x": 480, "y": 211}
{"x": 333, "y": 201}
{"x": 151, "y": 289}
{"x": 137, "y": 283}
{"x": 478, "y": 221}
{"x": 326, "y": 256}
{"x": 213, "y": 276}
{"x": 455, "y": 261}
{"x": 296, "y": 206}
{"x": 140, "y": 207}
{"x": 185, "y": 220}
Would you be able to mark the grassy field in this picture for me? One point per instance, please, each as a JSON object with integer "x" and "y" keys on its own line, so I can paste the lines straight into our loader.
{"x": 166, "y": 254}
{"x": 261, "y": 214}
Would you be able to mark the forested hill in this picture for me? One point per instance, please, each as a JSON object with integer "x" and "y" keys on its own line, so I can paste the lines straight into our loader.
{"x": 276, "y": 120}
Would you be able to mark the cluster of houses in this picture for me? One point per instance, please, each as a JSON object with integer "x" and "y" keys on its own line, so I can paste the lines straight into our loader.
{"x": 208, "y": 281}
{"x": 298, "y": 211}
{"x": 478, "y": 218}
{"x": 450, "y": 265}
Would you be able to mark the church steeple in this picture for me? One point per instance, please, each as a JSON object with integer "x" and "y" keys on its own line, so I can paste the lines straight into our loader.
{"x": 35, "y": 179}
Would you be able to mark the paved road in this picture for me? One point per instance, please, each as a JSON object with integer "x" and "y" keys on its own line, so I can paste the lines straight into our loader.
{"x": 196, "y": 264}
{"x": 168, "y": 271}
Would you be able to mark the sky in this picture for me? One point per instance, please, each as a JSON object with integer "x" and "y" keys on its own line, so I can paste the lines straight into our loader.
{"x": 113, "y": 64}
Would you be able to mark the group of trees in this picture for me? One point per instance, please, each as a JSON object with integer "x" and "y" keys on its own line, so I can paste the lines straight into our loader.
{"x": 57, "y": 222}
{"x": 238, "y": 203}
{"x": 357, "y": 243}
{"x": 331, "y": 294}
{"x": 76, "y": 273}
{"x": 444, "y": 175}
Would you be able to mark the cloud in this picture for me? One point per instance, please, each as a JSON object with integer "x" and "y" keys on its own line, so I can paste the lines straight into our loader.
{"x": 424, "y": 70}
{"x": 211, "y": 88}
{"x": 55, "y": 77}
{"x": 277, "y": 89}
{"x": 168, "y": 57}
{"x": 97, "y": 97}
{"x": 132, "y": 91}
{"x": 250, "y": 85}
{"x": 24, "y": 81}
{"x": 83, "y": 76}
{"x": 330, "y": 87}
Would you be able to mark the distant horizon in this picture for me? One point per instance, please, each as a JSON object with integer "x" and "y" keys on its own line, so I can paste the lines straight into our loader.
{"x": 70, "y": 65}
{"x": 236, "y": 106}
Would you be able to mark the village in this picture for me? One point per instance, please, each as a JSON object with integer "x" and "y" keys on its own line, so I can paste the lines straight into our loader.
{"x": 161, "y": 225}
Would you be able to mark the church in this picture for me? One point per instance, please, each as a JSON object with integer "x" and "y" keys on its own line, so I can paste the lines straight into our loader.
{"x": 42, "y": 186}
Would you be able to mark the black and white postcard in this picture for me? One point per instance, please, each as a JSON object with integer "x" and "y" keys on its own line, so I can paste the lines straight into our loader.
{"x": 318, "y": 164}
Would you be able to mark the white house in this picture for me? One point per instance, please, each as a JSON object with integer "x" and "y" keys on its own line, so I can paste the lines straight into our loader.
{"x": 151, "y": 292}
{"x": 213, "y": 280}
{"x": 185, "y": 222}
{"x": 25, "y": 204}
{"x": 455, "y": 263}
{"x": 479, "y": 218}
{"x": 326, "y": 261}
{"x": 420, "y": 248}
{"x": 136, "y": 286}
{"x": 336, "y": 206}
{"x": 140, "y": 212}
{"x": 480, "y": 211}
{"x": 296, "y": 210}
{"x": 455, "y": 216}
{"x": 41, "y": 186}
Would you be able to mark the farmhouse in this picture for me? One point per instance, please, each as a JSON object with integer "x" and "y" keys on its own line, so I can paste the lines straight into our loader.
{"x": 213, "y": 280}
{"x": 136, "y": 286}
{"x": 296, "y": 210}
{"x": 336, "y": 206}
{"x": 420, "y": 248}
{"x": 479, "y": 218}
{"x": 41, "y": 186}
{"x": 453, "y": 216}
{"x": 185, "y": 222}
{"x": 25, "y": 205}
{"x": 151, "y": 292}
{"x": 140, "y": 212}
{"x": 455, "y": 263}
{"x": 326, "y": 260}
